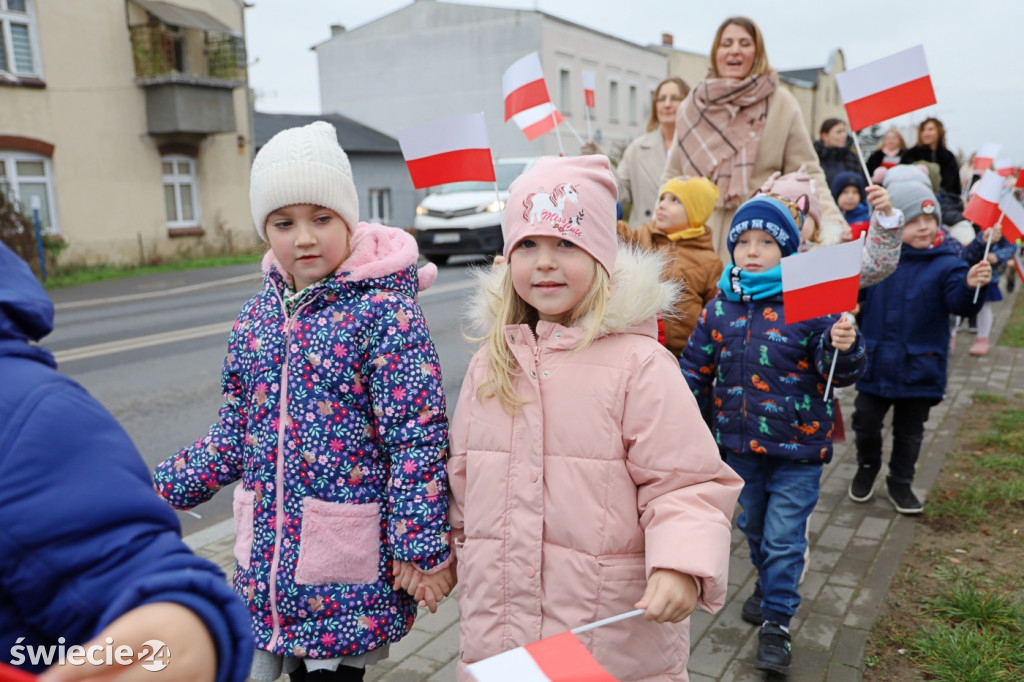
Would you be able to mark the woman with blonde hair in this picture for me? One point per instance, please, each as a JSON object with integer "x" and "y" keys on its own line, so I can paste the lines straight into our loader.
{"x": 737, "y": 127}
{"x": 890, "y": 151}
{"x": 639, "y": 172}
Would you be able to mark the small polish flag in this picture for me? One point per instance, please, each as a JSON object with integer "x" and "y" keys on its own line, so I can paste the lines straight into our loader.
{"x": 448, "y": 150}
{"x": 1020, "y": 178}
{"x": 561, "y": 658}
{"x": 1013, "y": 218}
{"x": 985, "y": 155}
{"x": 983, "y": 208}
{"x": 821, "y": 282}
{"x": 523, "y": 85}
{"x": 886, "y": 88}
{"x": 588, "y": 88}
{"x": 1003, "y": 167}
{"x": 538, "y": 120}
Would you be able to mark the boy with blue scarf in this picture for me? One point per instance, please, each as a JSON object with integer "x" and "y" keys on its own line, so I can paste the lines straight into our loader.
{"x": 769, "y": 416}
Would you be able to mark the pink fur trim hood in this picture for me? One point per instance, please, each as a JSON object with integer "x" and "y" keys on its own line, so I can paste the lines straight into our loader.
{"x": 377, "y": 251}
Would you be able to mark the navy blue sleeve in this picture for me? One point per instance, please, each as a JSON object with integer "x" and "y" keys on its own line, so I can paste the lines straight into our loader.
{"x": 697, "y": 361}
{"x": 85, "y": 539}
{"x": 850, "y": 363}
{"x": 960, "y": 298}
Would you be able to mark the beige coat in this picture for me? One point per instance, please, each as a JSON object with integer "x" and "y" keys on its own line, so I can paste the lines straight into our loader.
{"x": 639, "y": 176}
{"x": 784, "y": 145}
{"x": 561, "y": 511}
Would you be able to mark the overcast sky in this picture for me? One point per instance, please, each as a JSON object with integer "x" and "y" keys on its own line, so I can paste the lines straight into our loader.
{"x": 973, "y": 47}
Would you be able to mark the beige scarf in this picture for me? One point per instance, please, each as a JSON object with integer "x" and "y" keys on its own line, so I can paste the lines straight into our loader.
{"x": 718, "y": 130}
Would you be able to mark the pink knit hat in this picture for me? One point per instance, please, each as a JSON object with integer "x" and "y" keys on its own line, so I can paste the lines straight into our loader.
{"x": 793, "y": 186}
{"x": 571, "y": 198}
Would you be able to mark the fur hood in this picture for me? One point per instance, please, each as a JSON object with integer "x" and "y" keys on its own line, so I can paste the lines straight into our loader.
{"x": 638, "y": 295}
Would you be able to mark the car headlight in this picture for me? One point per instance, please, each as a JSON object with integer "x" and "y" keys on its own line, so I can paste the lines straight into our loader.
{"x": 421, "y": 211}
{"x": 492, "y": 207}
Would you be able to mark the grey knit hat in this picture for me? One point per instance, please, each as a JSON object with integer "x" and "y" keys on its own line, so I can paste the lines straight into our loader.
{"x": 914, "y": 199}
{"x": 302, "y": 166}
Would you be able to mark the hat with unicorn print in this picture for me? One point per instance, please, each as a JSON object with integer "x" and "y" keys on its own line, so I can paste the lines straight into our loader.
{"x": 572, "y": 198}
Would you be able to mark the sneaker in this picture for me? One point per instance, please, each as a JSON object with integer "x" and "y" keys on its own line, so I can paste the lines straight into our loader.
{"x": 773, "y": 649}
{"x": 904, "y": 499}
{"x": 980, "y": 347}
{"x": 862, "y": 487}
{"x": 752, "y": 607}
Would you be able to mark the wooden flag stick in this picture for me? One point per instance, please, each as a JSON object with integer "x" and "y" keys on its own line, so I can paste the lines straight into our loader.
{"x": 988, "y": 245}
{"x": 860, "y": 157}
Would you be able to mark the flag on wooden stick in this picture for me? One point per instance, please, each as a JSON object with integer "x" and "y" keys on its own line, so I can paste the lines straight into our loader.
{"x": 983, "y": 208}
{"x": 588, "y": 88}
{"x": 448, "y": 150}
{"x": 1013, "y": 218}
{"x": 886, "y": 88}
{"x": 985, "y": 155}
{"x": 821, "y": 282}
{"x": 523, "y": 85}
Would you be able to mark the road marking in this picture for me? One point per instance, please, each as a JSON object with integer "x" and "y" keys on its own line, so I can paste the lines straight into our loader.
{"x": 179, "y": 335}
{"x": 124, "y": 345}
{"x": 145, "y": 296}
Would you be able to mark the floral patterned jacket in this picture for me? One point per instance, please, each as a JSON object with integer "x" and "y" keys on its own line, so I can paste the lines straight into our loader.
{"x": 334, "y": 420}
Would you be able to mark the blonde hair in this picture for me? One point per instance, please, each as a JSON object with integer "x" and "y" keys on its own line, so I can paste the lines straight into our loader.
{"x": 760, "y": 64}
{"x": 507, "y": 307}
{"x": 881, "y": 140}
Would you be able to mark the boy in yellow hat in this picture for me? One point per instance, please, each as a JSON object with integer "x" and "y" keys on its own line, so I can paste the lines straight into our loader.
{"x": 679, "y": 233}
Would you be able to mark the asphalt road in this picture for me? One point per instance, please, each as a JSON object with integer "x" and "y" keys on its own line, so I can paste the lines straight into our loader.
{"x": 150, "y": 349}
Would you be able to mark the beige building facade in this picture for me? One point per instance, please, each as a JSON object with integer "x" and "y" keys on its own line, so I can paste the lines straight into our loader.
{"x": 127, "y": 122}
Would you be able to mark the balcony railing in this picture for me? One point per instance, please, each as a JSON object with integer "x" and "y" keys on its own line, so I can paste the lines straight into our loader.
{"x": 159, "y": 55}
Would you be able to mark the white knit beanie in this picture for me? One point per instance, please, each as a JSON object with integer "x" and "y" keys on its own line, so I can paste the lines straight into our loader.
{"x": 302, "y": 166}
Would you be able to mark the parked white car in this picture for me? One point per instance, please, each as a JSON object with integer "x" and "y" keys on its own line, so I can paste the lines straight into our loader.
{"x": 465, "y": 217}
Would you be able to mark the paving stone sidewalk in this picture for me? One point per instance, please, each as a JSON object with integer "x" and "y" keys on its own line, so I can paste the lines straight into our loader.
{"x": 855, "y": 550}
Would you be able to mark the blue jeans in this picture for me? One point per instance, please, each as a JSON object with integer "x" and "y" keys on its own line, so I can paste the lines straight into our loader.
{"x": 778, "y": 496}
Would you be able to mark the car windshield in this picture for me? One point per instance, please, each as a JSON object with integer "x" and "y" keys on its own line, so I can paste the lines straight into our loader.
{"x": 504, "y": 173}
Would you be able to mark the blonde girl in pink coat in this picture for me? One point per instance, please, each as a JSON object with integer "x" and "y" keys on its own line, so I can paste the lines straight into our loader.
{"x": 584, "y": 482}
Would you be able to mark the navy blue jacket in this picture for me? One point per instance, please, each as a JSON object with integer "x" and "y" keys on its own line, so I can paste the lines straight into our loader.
{"x": 767, "y": 378}
{"x": 905, "y": 321}
{"x": 83, "y": 536}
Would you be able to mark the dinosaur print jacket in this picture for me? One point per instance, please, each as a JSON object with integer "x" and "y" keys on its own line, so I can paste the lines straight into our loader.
{"x": 766, "y": 379}
{"x": 334, "y": 420}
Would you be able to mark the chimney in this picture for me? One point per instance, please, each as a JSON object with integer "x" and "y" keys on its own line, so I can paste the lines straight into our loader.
{"x": 666, "y": 39}
{"x": 337, "y": 29}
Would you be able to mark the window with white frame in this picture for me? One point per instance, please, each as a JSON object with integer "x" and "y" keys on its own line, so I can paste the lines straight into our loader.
{"x": 181, "y": 191}
{"x": 26, "y": 178}
{"x": 380, "y": 205}
{"x": 613, "y": 102}
{"x": 564, "y": 91}
{"x": 18, "y": 38}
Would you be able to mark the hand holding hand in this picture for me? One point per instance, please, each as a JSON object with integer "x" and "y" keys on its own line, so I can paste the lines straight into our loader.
{"x": 843, "y": 333}
{"x": 434, "y": 587}
{"x": 979, "y": 274}
{"x": 670, "y": 597}
{"x": 879, "y": 199}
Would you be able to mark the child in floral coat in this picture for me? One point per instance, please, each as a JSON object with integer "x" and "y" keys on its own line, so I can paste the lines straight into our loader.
{"x": 334, "y": 421}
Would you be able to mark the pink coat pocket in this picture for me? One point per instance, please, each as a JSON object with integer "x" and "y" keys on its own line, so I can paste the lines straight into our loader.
{"x": 340, "y": 543}
{"x": 243, "y": 503}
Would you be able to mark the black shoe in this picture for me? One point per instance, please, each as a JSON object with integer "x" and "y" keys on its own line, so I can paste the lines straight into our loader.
{"x": 773, "y": 649}
{"x": 752, "y": 607}
{"x": 904, "y": 499}
{"x": 862, "y": 487}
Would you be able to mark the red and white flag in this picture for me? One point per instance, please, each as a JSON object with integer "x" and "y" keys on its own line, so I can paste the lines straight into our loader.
{"x": 1003, "y": 167}
{"x": 1020, "y": 178}
{"x": 1013, "y": 218}
{"x": 589, "y": 83}
{"x": 983, "y": 208}
{"x": 985, "y": 155}
{"x": 886, "y": 88}
{"x": 821, "y": 282}
{"x": 538, "y": 120}
{"x": 554, "y": 659}
{"x": 449, "y": 150}
{"x": 523, "y": 85}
